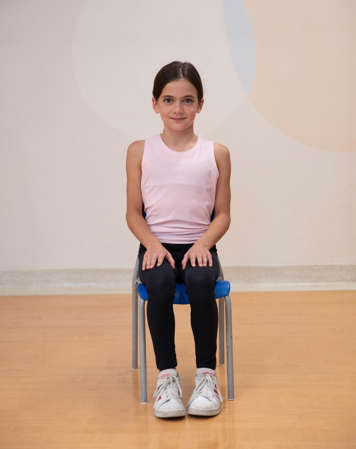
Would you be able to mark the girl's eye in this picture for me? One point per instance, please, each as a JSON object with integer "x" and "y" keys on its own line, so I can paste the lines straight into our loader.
{"x": 169, "y": 100}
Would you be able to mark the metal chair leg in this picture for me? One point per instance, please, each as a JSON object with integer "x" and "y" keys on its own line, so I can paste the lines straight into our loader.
{"x": 143, "y": 368}
{"x": 221, "y": 332}
{"x": 134, "y": 301}
{"x": 229, "y": 350}
{"x": 134, "y": 339}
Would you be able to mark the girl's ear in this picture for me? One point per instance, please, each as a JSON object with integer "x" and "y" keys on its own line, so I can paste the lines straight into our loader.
{"x": 201, "y": 104}
{"x": 154, "y": 104}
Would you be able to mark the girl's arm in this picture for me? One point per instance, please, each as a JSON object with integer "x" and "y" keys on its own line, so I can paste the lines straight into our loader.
{"x": 221, "y": 222}
{"x": 135, "y": 221}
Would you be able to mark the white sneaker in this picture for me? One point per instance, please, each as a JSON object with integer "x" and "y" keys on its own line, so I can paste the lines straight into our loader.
{"x": 206, "y": 398}
{"x": 168, "y": 395}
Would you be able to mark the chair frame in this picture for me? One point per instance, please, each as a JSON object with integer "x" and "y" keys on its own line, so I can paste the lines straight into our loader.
{"x": 138, "y": 318}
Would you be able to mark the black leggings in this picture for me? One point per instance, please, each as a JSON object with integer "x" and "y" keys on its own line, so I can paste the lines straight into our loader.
{"x": 200, "y": 282}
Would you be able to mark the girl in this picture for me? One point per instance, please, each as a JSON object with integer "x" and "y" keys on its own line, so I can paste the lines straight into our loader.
{"x": 180, "y": 178}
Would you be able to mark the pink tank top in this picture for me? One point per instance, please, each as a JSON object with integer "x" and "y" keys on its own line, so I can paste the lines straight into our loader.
{"x": 178, "y": 189}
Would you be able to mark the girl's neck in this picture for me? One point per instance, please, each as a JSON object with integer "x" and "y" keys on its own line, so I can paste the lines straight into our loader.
{"x": 181, "y": 140}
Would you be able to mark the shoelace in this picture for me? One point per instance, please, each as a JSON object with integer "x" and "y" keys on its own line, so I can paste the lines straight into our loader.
{"x": 168, "y": 388}
{"x": 206, "y": 387}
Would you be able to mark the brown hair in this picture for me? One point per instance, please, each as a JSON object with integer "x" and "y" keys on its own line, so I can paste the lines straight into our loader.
{"x": 176, "y": 70}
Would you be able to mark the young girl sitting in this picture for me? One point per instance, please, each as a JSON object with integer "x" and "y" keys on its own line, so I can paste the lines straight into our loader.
{"x": 181, "y": 179}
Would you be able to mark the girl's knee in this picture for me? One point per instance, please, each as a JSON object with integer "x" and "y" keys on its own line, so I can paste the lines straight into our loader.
{"x": 160, "y": 282}
{"x": 200, "y": 279}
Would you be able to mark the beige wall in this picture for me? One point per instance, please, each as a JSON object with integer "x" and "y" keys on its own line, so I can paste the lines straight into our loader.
{"x": 76, "y": 83}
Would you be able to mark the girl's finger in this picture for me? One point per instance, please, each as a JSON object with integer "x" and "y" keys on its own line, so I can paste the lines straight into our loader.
{"x": 184, "y": 261}
{"x": 210, "y": 260}
{"x": 152, "y": 261}
{"x": 148, "y": 262}
{"x": 172, "y": 261}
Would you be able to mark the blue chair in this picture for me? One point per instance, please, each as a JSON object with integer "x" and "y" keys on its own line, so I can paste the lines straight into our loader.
{"x": 222, "y": 290}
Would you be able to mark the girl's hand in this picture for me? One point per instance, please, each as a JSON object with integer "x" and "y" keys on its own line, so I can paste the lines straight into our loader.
{"x": 201, "y": 253}
{"x": 156, "y": 252}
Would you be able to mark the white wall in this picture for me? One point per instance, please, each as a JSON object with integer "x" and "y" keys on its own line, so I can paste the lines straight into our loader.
{"x": 76, "y": 84}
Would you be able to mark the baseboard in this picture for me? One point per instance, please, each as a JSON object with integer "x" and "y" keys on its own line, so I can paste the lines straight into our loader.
{"x": 104, "y": 281}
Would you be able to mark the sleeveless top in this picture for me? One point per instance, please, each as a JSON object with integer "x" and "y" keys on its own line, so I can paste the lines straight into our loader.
{"x": 178, "y": 189}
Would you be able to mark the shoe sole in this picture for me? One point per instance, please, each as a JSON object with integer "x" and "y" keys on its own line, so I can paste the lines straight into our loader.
{"x": 173, "y": 414}
{"x": 202, "y": 412}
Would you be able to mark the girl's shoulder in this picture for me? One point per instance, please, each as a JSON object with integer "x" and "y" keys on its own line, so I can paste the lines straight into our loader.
{"x": 136, "y": 146}
{"x": 222, "y": 153}
{"x": 135, "y": 149}
{"x": 220, "y": 148}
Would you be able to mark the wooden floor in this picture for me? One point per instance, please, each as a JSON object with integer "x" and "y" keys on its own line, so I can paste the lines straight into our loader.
{"x": 66, "y": 380}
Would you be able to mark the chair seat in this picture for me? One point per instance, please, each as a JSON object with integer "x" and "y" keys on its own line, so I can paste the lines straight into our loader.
{"x": 222, "y": 288}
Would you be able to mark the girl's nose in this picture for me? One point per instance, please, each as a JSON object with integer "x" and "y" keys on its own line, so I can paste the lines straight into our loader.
{"x": 178, "y": 106}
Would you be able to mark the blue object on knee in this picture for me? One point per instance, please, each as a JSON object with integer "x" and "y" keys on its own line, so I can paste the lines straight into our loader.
{"x": 222, "y": 289}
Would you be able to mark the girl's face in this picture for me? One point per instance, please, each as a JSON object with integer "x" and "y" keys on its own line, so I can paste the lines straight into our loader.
{"x": 178, "y": 104}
